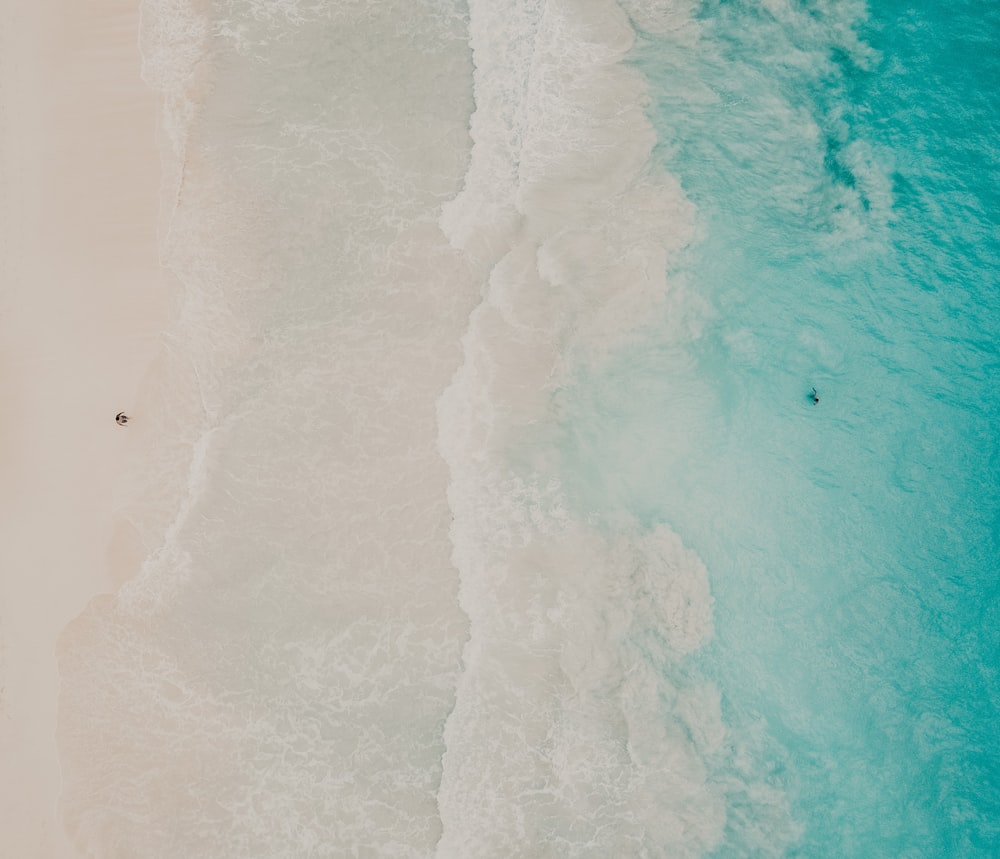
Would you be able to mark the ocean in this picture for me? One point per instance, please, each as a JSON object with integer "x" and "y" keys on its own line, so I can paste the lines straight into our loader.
{"x": 490, "y": 512}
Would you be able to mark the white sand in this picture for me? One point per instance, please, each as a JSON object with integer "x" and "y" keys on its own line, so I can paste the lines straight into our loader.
{"x": 82, "y": 300}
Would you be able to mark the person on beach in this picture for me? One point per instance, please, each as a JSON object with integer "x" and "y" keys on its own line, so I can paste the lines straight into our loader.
{"x": 121, "y": 419}
{"x": 814, "y": 397}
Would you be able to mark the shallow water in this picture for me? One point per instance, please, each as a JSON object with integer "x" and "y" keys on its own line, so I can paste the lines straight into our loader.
{"x": 492, "y": 516}
{"x": 847, "y": 198}
{"x": 275, "y": 681}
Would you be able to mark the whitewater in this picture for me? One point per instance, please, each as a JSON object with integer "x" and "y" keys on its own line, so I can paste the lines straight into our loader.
{"x": 488, "y": 514}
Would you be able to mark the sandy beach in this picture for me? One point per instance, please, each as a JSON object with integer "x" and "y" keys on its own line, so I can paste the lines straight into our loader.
{"x": 83, "y": 303}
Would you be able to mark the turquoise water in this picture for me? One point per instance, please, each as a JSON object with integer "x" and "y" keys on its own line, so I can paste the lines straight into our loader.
{"x": 844, "y": 164}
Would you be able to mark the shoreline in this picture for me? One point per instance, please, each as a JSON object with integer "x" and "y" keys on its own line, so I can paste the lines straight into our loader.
{"x": 85, "y": 302}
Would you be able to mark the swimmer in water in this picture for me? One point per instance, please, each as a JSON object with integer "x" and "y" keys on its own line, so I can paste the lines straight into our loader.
{"x": 814, "y": 396}
{"x": 121, "y": 419}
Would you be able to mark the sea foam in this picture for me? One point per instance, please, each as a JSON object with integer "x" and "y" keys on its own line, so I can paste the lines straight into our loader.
{"x": 573, "y": 725}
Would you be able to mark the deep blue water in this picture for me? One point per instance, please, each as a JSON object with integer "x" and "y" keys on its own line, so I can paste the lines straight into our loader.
{"x": 846, "y": 168}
